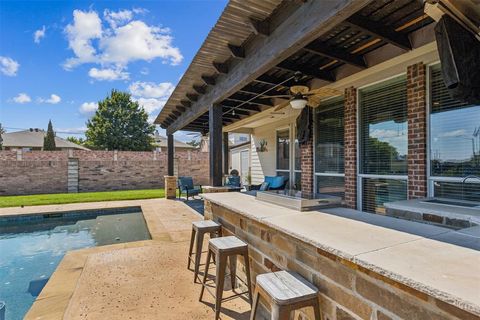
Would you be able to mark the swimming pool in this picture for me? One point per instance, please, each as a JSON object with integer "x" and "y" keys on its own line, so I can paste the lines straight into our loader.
{"x": 32, "y": 246}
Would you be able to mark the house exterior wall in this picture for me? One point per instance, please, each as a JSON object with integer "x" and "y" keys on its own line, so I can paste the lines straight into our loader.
{"x": 350, "y": 147}
{"x": 47, "y": 171}
{"x": 347, "y": 291}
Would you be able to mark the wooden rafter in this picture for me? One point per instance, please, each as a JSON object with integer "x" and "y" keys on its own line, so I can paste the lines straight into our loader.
{"x": 335, "y": 54}
{"x": 220, "y": 67}
{"x": 236, "y": 51}
{"x": 208, "y": 80}
{"x": 259, "y": 27}
{"x": 199, "y": 89}
{"x": 307, "y": 70}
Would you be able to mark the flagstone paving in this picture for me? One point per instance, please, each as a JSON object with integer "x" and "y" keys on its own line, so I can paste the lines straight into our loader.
{"x": 136, "y": 280}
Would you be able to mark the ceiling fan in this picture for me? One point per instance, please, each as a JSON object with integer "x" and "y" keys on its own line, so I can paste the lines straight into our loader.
{"x": 301, "y": 96}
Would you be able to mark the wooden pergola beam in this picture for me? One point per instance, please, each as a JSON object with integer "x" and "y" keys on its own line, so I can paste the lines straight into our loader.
{"x": 258, "y": 102}
{"x": 335, "y": 54}
{"x": 306, "y": 70}
{"x": 192, "y": 97}
{"x": 236, "y": 51}
{"x": 199, "y": 89}
{"x": 381, "y": 31}
{"x": 310, "y": 21}
{"x": 220, "y": 67}
{"x": 259, "y": 27}
{"x": 208, "y": 80}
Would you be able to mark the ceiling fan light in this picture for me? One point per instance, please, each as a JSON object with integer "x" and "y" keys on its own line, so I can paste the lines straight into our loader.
{"x": 298, "y": 103}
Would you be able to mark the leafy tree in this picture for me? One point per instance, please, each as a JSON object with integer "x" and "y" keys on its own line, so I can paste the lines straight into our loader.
{"x": 49, "y": 140}
{"x": 79, "y": 141}
{"x": 2, "y": 131}
{"x": 119, "y": 124}
{"x": 194, "y": 143}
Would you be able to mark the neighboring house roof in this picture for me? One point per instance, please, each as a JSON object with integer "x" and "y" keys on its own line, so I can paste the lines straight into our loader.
{"x": 34, "y": 139}
{"x": 161, "y": 141}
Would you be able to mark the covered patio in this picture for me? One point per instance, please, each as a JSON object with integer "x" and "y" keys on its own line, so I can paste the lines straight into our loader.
{"x": 338, "y": 97}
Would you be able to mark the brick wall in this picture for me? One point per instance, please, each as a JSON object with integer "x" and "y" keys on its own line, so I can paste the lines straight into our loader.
{"x": 350, "y": 151}
{"x": 347, "y": 291}
{"x": 306, "y": 161}
{"x": 38, "y": 172}
{"x": 417, "y": 131}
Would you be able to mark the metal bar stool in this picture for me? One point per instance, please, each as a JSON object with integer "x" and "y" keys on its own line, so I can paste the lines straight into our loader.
{"x": 223, "y": 249}
{"x": 199, "y": 228}
{"x": 285, "y": 292}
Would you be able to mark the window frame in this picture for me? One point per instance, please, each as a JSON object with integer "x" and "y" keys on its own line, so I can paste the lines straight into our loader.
{"x": 361, "y": 176}
{"x": 431, "y": 179}
{"x": 315, "y": 153}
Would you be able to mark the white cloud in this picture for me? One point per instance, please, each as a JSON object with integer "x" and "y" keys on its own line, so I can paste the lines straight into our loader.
{"x": 151, "y": 89}
{"x": 108, "y": 74}
{"x": 124, "y": 40}
{"x": 22, "y": 98}
{"x": 385, "y": 134}
{"x": 8, "y": 66}
{"x": 150, "y": 105}
{"x": 115, "y": 18}
{"x": 144, "y": 71}
{"x": 453, "y": 134}
{"x": 86, "y": 27}
{"x": 54, "y": 99}
{"x": 88, "y": 108}
{"x": 39, "y": 34}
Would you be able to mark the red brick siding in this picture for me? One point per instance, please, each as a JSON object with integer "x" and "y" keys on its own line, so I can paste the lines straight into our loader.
{"x": 350, "y": 151}
{"x": 46, "y": 171}
{"x": 306, "y": 161}
{"x": 417, "y": 131}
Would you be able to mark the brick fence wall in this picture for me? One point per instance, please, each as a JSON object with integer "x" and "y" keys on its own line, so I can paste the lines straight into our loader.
{"x": 38, "y": 172}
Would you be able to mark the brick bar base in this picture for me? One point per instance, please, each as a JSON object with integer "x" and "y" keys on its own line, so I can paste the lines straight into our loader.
{"x": 170, "y": 187}
{"x": 417, "y": 131}
{"x": 350, "y": 153}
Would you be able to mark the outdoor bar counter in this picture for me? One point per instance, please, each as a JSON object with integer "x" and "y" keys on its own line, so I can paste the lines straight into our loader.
{"x": 363, "y": 270}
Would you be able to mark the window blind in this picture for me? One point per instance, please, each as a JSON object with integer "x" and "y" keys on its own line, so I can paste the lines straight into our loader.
{"x": 383, "y": 128}
{"x": 454, "y": 132}
{"x": 329, "y": 147}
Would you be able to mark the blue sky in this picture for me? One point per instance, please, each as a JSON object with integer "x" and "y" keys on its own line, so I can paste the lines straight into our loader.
{"x": 58, "y": 58}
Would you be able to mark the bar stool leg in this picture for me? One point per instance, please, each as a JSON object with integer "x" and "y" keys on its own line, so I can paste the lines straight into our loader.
{"x": 233, "y": 270}
{"x": 247, "y": 272}
{"x": 207, "y": 265}
{"x": 256, "y": 297}
{"x": 190, "y": 250}
{"x": 280, "y": 313}
{"x": 316, "y": 309}
{"x": 198, "y": 254}
{"x": 221, "y": 266}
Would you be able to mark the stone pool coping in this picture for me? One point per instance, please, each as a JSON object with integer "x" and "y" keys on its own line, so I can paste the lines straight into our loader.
{"x": 438, "y": 269}
{"x": 54, "y": 299}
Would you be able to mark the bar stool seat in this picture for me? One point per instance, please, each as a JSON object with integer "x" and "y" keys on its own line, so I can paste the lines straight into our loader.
{"x": 199, "y": 229}
{"x": 226, "y": 248}
{"x": 285, "y": 291}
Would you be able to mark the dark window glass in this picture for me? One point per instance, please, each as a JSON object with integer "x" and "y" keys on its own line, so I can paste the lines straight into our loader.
{"x": 376, "y": 192}
{"x": 457, "y": 190}
{"x": 454, "y": 132}
{"x": 298, "y": 181}
{"x": 297, "y": 155}
{"x": 383, "y": 128}
{"x": 329, "y": 137}
{"x": 334, "y": 186}
{"x": 283, "y": 150}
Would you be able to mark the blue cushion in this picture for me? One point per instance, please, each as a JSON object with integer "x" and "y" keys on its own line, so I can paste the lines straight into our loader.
{"x": 275, "y": 182}
{"x": 264, "y": 186}
{"x": 233, "y": 181}
{"x": 185, "y": 182}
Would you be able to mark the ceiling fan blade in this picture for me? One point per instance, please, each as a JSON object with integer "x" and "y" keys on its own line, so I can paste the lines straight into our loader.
{"x": 324, "y": 92}
{"x": 281, "y": 106}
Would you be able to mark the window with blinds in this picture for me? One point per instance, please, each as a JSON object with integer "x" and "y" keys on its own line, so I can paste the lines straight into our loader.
{"x": 454, "y": 132}
{"x": 383, "y": 143}
{"x": 329, "y": 137}
{"x": 383, "y": 128}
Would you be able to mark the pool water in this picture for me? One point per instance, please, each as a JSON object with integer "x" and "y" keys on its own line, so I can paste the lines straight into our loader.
{"x": 32, "y": 247}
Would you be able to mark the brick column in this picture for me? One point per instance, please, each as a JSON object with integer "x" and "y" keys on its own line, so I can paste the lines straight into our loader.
{"x": 417, "y": 131}
{"x": 350, "y": 148}
{"x": 306, "y": 163}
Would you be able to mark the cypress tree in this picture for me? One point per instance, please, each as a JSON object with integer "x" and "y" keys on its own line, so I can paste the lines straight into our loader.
{"x": 49, "y": 140}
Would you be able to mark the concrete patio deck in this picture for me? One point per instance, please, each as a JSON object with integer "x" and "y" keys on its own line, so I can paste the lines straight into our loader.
{"x": 135, "y": 280}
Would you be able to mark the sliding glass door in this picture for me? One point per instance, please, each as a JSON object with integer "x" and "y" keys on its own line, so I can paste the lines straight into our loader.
{"x": 285, "y": 150}
{"x": 383, "y": 144}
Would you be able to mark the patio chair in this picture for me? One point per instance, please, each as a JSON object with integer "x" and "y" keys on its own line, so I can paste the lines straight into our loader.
{"x": 185, "y": 186}
{"x": 233, "y": 181}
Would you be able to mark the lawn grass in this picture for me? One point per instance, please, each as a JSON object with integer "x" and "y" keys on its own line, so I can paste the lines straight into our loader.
{"x": 62, "y": 198}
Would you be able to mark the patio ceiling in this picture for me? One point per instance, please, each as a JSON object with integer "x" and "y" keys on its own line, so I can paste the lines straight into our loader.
{"x": 247, "y": 26}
